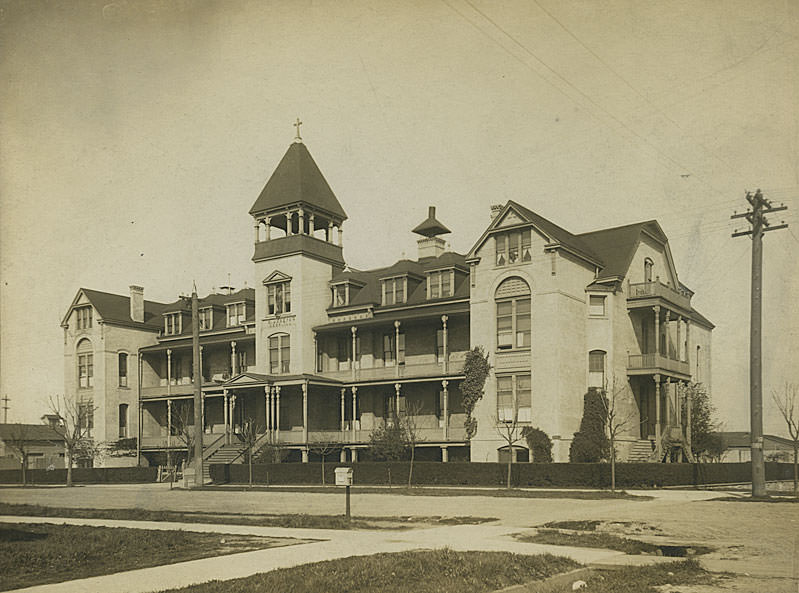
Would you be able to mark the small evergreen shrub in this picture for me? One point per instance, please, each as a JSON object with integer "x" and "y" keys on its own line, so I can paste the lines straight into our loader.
{"x": 591, "y": 443}
{"x": 539, "y": 444}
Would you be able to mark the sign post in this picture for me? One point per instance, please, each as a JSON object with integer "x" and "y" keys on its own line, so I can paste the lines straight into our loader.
{"x": 344, "y": 478}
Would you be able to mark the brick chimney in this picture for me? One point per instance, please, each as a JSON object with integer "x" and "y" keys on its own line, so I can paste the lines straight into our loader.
{"x": 137, "y": 303}
{"x": 495, "y": 210}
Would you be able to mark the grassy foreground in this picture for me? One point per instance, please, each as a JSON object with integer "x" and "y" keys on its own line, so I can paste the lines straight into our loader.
{"x": 33, "y": 554}
{"x": 423, "y": 571}
{"x": 258, "y": 520}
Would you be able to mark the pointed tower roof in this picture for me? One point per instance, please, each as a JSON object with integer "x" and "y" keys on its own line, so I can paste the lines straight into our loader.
{"x": 431, "y": 227}
{"x": 297, "y": 179}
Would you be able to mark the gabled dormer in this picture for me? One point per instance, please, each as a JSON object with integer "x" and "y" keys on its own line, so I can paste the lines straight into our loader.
{"x": 344, "y": 292}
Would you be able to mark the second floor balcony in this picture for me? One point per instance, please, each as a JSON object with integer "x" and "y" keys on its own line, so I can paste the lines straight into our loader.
{"x": 650, "y": 364}
{"x": 646, "y": 294}
{"x": 410, "y": 368}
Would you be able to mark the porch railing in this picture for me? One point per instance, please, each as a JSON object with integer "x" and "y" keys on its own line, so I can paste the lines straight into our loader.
{"x": 657, "y": 361}
{"x": 644, "y": 290}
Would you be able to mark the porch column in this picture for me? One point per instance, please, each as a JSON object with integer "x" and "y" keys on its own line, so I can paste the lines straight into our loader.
{"x": 169, "y": 424}
{"x": 257, "y": 228}
{"x": 397, "y": 387}
{"x": 342, "y": 457}
{"x": 656, "y": 309}
{"x": 354, "y": 409}
{"x": 267, "y": 407}
{"x": 446, "y": 345}
{"x": 301, "y": 226}
{"x": 354, "y": 454}
{"x": 311, "y": 225}
{"x": 688, "y": 343}
{"x": 232, "y": 409}
{"x": 679, "y": 343}
{"x": 277, "y": 411}
{"x": 289, "y": 216}
{"x": 658, "y": 447}
{"x": 340, "y": 235}
{"x": 305, "y": 454}
{"x": 233, "y": 370}
{"x": 445, "y": 411}
{"x": 669, "y": 403}
{"x": 689, "y": 402}
{"x": 343, "y": 398}
{"x": 667, "y": 326}
{"x": 444, "y": 454}
{"x": 168, "y": 371}
{"x": 354, "y": 331}
{"x": 227, "y": 432}
{"x": 202, "y": 410}
{"x": 317, "y": 366}
{"x": 329, "y": 236}
{"x": 305, "y": 412}
{"x": 267, "y": 228}
{"x": 396, "y": 351}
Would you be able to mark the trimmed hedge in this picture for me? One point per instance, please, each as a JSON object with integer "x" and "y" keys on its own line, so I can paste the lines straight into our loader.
{"x": 82, "y": 475}
{"x": 556, "y": 475}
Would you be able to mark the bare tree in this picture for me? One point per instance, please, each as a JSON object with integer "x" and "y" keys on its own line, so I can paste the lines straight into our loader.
{"x": 75, "y": 419}
{"x": 617, "y": 418}
{"x": 786, "y": 401}
{"x": 510, "y": 432}
{"x": 411, "y": 424}
{"x": 250, "y": 434}
{"x": 18, "y": 439}
{"x": 183, "y": 425}
{"x": 323, "y": 449}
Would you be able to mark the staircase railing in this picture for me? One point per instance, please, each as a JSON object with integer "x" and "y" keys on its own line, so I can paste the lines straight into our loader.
{"x": 213, "y": 447}
{"x": 256, "y": 446}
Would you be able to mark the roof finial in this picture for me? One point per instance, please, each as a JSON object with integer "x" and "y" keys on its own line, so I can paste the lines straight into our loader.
{"x": 297, "y": 125}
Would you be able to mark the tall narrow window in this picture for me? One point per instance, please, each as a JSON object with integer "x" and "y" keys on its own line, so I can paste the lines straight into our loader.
{"x": 524, "y": 398}
{"x": 514, "y": 323}
{"x": 236, "y": 314}
{"x": 83, "y": 317}
{"x": 596, "y": 305}
{"x": 440, "y": 345}
{"x": 85, "y": 365}
{"x": 596, "y": 369}
{"x": 343, "y": 349}
{"x": 505, "y": 399}
{"x": 648, "y": 265}
{"x": 123, "y": 369}
{"x": 123, "y": 421}
{"x": 173, "y": 323}
{"x": 340, "y": 295}
{"x": 85, "y": 419}
{"x": 206, "y": 318}
{"x": 279, "y": 354}
{"x": 393, "y": 352}
{"x": 395, "y": 290}
{"x": 278, "y": 298}
{"x": 514, "y": 398}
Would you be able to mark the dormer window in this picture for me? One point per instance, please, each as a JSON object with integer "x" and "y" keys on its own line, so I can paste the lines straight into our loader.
{"x": 513, "y": 247}
{"x": 173, "y": 324}
{"x": 236, "y": 314}
{"x": 440, "y": 284}
{"x": 395, "y": 290}
{"x": 341, "y": 295}
{"x": 278, "y": 298}
{"x": 206, "y": 318}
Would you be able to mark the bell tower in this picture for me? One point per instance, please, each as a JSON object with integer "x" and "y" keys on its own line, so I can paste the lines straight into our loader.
{"x": 298, "y": 247}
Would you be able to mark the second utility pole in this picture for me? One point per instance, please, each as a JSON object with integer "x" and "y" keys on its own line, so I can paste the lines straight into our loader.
{"x": 757, "y": 218}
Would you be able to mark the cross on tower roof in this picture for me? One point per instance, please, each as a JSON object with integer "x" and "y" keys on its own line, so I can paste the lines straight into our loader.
{"x": 297, "y": 125}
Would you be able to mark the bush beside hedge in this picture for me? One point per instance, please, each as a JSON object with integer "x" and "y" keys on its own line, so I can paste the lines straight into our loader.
{"x": 80, "y": 475}
{"x": 556, "y": 475}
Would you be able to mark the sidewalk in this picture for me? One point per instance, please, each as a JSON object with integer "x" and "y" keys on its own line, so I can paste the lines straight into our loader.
{"x": 330, "y": 544}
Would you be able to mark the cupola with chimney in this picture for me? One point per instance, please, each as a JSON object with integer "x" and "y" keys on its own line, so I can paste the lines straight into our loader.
{"x": 431, "y": 245}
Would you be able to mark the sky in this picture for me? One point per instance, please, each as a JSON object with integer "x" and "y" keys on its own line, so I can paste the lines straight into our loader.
{"x": 135, "y": 136}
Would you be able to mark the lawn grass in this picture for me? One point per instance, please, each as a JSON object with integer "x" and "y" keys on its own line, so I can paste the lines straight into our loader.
{"x": 33, "y": 554}
{"x": 449, "y": 492}
{"x": 258, "y": 520}
{"x": 422, "y": 571}
{"x": 646, "y": 579}
{"x": 594, "y": 539}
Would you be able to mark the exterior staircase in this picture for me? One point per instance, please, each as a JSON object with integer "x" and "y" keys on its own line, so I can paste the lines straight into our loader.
{"x": 224, "y": 454}
{"x": 640, "y": 452}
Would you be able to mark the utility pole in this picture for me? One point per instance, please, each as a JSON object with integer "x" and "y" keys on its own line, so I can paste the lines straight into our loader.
{"x": 756, "y": 216}
{"x": 5, "y": 399}
{"x": 198, "y": 402}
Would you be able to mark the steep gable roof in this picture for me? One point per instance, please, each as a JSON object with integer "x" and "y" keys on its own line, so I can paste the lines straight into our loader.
{"x": 115, "y": 309}
{"x": 616, "y": 246}
{"x": 553, "y": 233}
{"x": 297, "y": 179}
{"x": 30, "y": 432}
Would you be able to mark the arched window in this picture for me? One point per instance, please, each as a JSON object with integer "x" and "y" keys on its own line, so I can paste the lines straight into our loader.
{"x": 123, "y": 421}
{"x": 648, "y": 265}
{"x": 513, "y": 314}
{"x": 123, "y": 369}
{"x": 279, "y": 354}
{"x": 85, "y": 356}
{"x": 596, "y": 369}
